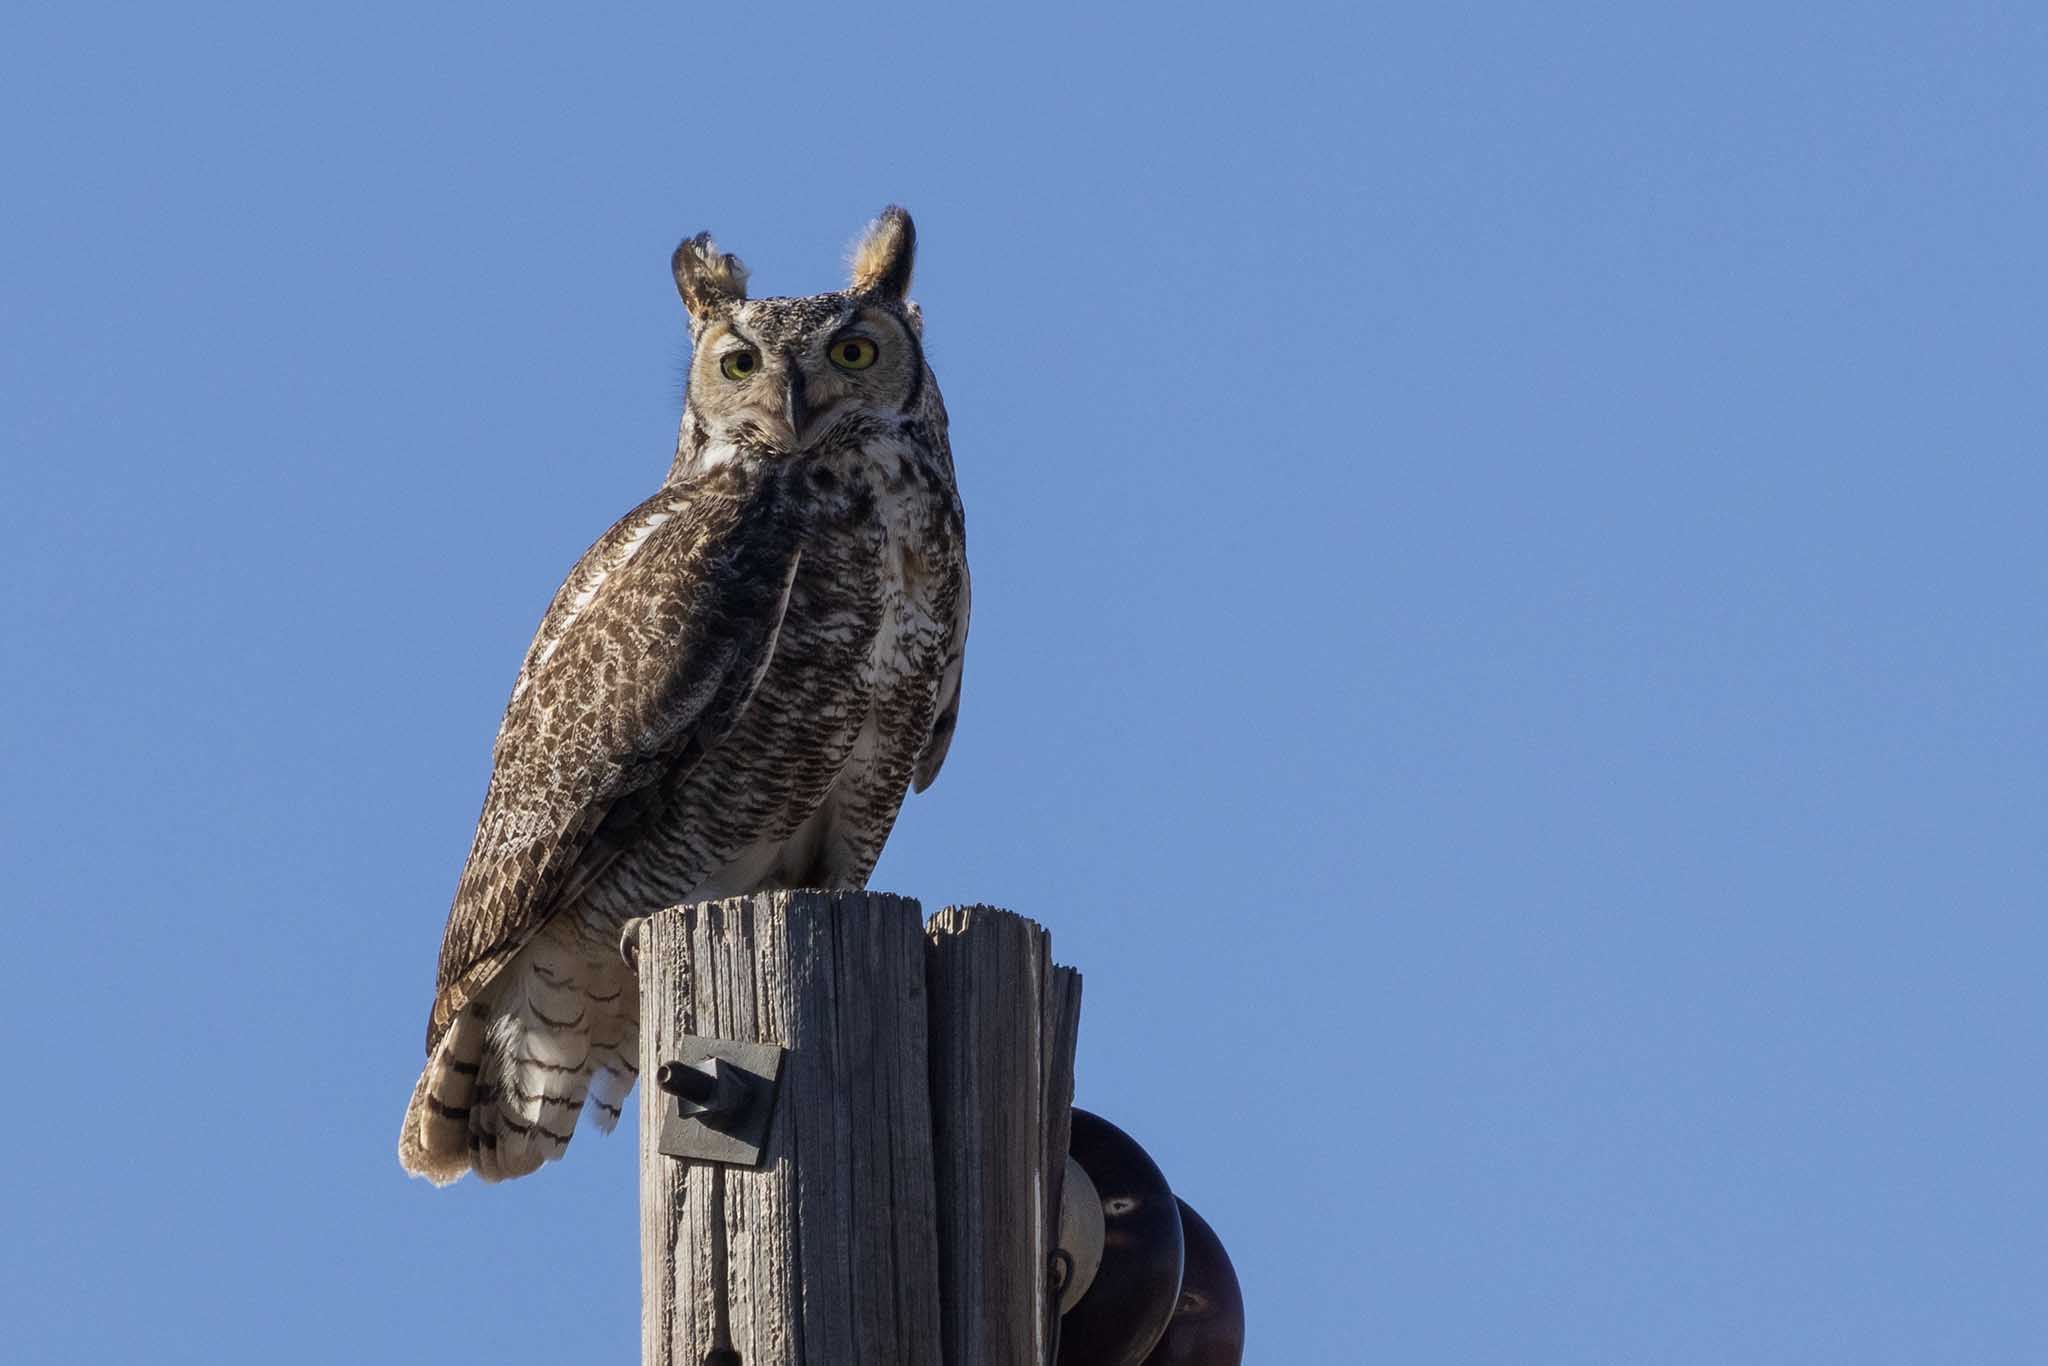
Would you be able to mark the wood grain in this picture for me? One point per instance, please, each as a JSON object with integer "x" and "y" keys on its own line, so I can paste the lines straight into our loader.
{"x": 828, "y": 1251}
{"x": 907, "y": 1205}
{"x": 1003, "y": 1027}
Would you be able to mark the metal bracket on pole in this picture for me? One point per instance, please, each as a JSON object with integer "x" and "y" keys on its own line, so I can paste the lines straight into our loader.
{"x": 724, "y": 1094}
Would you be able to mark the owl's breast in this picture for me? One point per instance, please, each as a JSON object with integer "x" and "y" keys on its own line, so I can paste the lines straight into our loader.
{"x": 806, "y": 787}
{"x": 891, "y": 558}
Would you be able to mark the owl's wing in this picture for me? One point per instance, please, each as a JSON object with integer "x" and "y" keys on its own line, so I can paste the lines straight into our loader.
{"x": 645, "y": 660}
{"x": 947, "y": 714}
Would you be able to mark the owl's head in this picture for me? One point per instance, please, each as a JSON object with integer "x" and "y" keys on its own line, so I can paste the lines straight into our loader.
{"x": 779, "y": 376}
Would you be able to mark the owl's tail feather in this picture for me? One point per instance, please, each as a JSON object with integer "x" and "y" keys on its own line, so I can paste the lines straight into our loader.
{"x": 613, "y": 1080}
{"x": 505, "y": 1088}
{"x": 434, "y": 1141}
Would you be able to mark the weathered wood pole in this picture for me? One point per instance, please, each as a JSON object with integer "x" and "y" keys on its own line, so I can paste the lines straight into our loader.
{"x": 906, "y": 1202}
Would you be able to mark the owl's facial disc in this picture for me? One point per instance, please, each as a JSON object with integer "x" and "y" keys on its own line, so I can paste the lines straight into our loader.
{"x": 769, "y": 400}
{"x": 777, "y": 374}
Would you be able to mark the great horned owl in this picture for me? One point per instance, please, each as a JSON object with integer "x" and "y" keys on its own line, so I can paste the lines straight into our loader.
{"x": 731, "y": 692}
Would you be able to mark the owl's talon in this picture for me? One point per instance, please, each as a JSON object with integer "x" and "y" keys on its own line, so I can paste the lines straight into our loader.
{"x": 629, "y": 941}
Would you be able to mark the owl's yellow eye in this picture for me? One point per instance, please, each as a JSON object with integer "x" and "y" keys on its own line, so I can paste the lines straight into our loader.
{"x": 853, "y": 353}
{"x": 739, "y": 364}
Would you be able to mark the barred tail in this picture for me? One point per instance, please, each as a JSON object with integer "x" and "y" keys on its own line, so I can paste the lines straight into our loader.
{"x": 504, "y": 1088}
{"x": 434, "y": 1141}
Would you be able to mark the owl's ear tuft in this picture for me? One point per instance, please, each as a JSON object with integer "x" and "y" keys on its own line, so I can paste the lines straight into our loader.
{"x": 709, "y": 280}
{"x": 883, "y": 257}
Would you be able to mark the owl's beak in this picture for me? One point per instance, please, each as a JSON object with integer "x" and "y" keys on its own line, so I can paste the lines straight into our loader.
{"x": 796, "y": 410}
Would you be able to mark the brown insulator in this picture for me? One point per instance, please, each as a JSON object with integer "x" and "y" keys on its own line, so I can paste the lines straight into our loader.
{"x": 1135, "y": 1289}
{"x": 1207, "y": 1327}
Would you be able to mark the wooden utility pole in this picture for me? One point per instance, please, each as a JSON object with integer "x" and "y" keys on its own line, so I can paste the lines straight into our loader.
{"x": 905, "y": 1204}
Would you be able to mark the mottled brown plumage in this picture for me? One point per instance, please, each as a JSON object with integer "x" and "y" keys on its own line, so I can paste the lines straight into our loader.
{"x": 732, "y": 691}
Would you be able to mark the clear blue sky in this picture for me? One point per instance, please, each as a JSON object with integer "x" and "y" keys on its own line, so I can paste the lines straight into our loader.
{"x": 1509, "y": 627}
